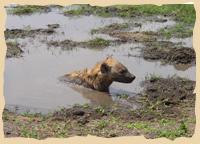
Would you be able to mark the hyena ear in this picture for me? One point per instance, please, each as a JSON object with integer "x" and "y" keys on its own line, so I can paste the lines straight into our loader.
{"x": 104, "y": 68}
{"x": 109, "y": 56}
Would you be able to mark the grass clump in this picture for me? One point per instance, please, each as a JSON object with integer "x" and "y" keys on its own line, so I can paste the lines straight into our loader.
{"x": 25, "y": 132}
{"x": 102, "y": 124}
{"x": 27, "y": 9}
{"x": 98, "y": 42}
{"x": 100, "y": 110}
{"x": 172, "y": 134}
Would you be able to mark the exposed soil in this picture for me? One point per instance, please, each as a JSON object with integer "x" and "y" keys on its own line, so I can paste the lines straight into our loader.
{"x": 13, "y": 49}
{"x": 22, "y": 33}
{"x": 168, "y": 106}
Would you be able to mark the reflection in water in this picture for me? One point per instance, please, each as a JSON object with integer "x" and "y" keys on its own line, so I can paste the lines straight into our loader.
{"x": 95, "y": 97}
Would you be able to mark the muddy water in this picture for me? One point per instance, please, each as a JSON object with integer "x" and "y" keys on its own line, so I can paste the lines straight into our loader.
{"x": 31, "y": 82}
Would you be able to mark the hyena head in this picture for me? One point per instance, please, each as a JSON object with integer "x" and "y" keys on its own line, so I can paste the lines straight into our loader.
{"x": 116, "y": 71}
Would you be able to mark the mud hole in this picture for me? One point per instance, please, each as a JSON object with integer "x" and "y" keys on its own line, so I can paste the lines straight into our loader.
{"x": 165, "y": 101}
{"x": 55, "y": 42}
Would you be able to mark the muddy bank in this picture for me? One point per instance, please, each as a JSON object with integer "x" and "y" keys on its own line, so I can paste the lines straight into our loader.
{"x": 168, "y": 95}
{"x": 167, "y": 111}
{"x": 22, "y": 33}
{"x": 13, "y": 49}
{"x": 168, "y": 52}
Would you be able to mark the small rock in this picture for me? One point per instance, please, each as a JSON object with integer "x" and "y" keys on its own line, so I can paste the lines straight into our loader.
{"x": 53, "y": 26}
{"x": 78, "y": 113}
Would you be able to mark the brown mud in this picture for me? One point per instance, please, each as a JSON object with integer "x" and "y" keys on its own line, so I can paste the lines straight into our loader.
{"x": 167, "y": 111}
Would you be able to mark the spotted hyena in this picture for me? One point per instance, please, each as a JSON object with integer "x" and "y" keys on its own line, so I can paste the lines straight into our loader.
{"x": 101, "y": 76}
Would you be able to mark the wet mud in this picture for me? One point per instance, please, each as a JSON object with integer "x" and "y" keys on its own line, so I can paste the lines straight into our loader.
{"x": 169, "y": 54}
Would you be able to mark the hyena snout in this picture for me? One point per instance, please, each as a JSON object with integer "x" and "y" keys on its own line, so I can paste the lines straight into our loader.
{"x": 128, "y": 78}
{"x": 125, "y": 78}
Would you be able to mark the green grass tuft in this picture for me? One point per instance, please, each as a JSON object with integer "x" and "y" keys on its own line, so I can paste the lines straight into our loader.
{"x": 98, "y": 42}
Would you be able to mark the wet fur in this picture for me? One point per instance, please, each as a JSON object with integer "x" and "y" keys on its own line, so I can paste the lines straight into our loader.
{"x": 101, "y": 76}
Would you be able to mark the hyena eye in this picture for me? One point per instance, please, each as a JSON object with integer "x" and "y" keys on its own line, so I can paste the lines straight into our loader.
{"x": 123, "y": 71}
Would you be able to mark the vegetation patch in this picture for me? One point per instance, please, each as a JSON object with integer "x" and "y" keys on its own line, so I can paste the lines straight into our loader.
{"x": 97, "y": 42}
{"x": 27, "y": 9}
{"x": 181, "y": 12}
{"x": 13, "y": 49}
